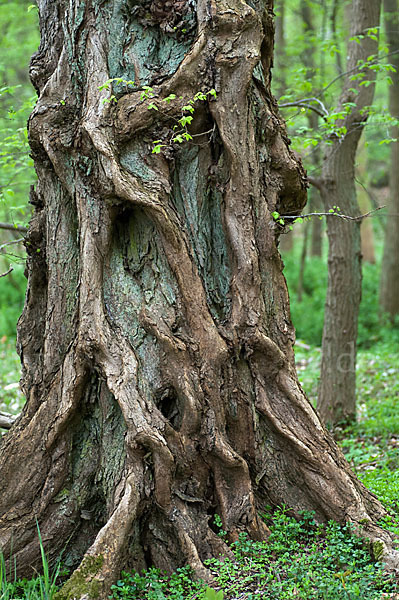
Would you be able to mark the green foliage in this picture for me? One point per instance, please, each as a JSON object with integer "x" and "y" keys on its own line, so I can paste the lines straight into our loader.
{"x": 301, "y": 559}
{"x": 19, "y": 37}
{"x": 11, "y": 397}
{"x": 372, "y": 445}
{"x": 211, "y": 594}
{"x": 308, "y": 315}
{"x": 311, "y": 74}
{"x": 41, "y": 587}
{"x": 12, "y": 292}
{"x": 16, "y": 167}
{"x": 154, "y": 585}
{"x": 18, "y": 40}
{"x": 180, "y": 132}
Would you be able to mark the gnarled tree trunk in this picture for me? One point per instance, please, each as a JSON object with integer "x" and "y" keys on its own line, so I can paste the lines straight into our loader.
{"x": 156, "y": 339}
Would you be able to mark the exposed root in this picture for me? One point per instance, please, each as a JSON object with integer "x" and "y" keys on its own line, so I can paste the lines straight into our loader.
{"x": 100, "y": 564}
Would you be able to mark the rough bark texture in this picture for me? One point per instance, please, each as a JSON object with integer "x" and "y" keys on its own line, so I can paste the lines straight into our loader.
{"x": 389, "y": 286}
{"x": 337, "y": 390}
{"x": 156, "y": 338}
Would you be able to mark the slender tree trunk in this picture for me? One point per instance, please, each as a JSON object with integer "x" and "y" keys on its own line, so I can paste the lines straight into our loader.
{"x": 313, "y": 120}
{"x": 337, "y": 391}
{"x": 389, "y": 285}
{"x": 333, "y": 21}
{"x": 156, "y": 338}
{"x": 302, "y": 264}
{"x": 366, "y": 227}
{"x": 280, "y": 54}
{"x": 316, "y": 246}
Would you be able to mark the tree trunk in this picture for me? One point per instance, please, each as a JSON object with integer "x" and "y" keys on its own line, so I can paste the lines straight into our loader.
{"x": 280, "y": 54}
{"x": 156, "y": 338}
{"x": 337, "y": 391}
{"x": 314, "y": 200}
{"x": 366, "y": 227}
{"x": 389, "y": 285}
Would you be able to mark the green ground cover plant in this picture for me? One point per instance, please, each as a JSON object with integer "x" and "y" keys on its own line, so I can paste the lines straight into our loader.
{"x": 371, "y": 445}
{"x": 40, "y": 587}
{"x": 301, "y": 559}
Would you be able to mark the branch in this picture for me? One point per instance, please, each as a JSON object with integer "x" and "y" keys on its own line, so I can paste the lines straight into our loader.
{"x": 11, "y": 227}
{"x": 304, "y": 103}
{"x": 7, "y": 272}
{"x": 11, "y": 243}
{"x": 317, "y": 183}
{"x": 374, "y": 62}
{"x": 7, "y": 420}
{"x": 332, "y": 214}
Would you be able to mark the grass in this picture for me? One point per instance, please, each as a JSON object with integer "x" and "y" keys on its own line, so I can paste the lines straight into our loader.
{"x": 41, "y": 587}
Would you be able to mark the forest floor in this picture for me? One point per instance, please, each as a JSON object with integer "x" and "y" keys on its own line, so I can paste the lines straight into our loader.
{"x": 301, "y": 559}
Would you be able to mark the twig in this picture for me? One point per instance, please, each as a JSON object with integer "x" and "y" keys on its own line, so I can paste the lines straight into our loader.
{"x": 7, "y": 420}
{"x": 11, "y": 227}
{"x": 7, "y": 272}
{"x": 10, "y": 243}
{"x": 305, "y": 104}
{"x": 357, "y": 68}
{"x": 332, "y": 214}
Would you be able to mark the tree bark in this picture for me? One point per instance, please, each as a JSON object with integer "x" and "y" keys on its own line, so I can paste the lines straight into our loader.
{"x": 156, "y": 339}
{"x": 389, "y": 285}
{"x": 337, "y": 391}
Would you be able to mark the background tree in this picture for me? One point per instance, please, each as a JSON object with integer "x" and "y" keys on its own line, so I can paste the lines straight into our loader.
{"x": 327, "y": 44}
{"x": 337, "y": 393}
{"x": 18, "y": 38}
{"x": 389, "y": 287}
{"x": 156, "y": 339}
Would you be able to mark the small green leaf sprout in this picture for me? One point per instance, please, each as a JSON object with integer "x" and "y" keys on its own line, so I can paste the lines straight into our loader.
{"x": 169, "y": 98}
{"x": 211, "y": 594}
{"x": 107, "y": 85}
{"x": 181, "y": 133}
{"x": 158, "y": 145}
{"x": 147, "y": 93}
